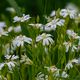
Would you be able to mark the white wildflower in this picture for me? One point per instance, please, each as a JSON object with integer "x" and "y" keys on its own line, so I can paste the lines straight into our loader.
{"x": 25, "y": 60}
{"x": 72, "y": 34}
{"x": 11, "y": 57}
{"x": 69, "y": 11}
{"x": 74, "y": 48}
{"x": 48, "y": 28}
{"x": 14, "y": 57}
{"x": 46, "y": 38}
{"x": 7, "y": 56}
{"x": 2, "y": 24}
{"x": 74, "y": 61}
{"x": 66, "y": 12}
{"x": 19, "y": 40}
{"x": 41, "y": 76}
{"x": 61, "y": 22}
{"x": 69, "y": 65}
{"x": 21, "y": 19}
{"x": 53, "y": 13}
{"x": 71, "y": 6}
{"x": 2, "y": 32}
{"x": 16, "y": 19}
{"x": 9, "y": 61}
{"x": 10, "y": 64}
{"x": 64, "y": 75}
{"x": 56, "y": 73}
{"x": 1, "y": 65}
{"x": 67, "y": 45}
{"x": 51, "y": 68}
{"x": 37, "y": 25}
{"x": 17, "y": 29}
{"x": 10, "y": 28}
{"x": 54, "y": 23}
{"x": 25, "y": 18}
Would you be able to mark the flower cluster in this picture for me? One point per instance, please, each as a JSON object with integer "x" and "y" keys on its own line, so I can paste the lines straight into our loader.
{"x": 37, "y": 51}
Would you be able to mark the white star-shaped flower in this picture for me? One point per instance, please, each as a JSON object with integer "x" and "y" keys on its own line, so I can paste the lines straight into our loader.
{"x": 54, "y": 23}
{"x": 19, "y": 40}
{"x": 21, "y": 19}
{"x": 45, "y": 38}
{"x": 72, "y": 34}
{"x": 2, "y": 32}
{"x": 70, "y": 11}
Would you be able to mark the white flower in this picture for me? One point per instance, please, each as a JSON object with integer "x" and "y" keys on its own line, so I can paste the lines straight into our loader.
{"x": 2, "y": 32}
{"x": 17, "y": 29}
{"x": 11, "y": 57}
{"x": 41, "y": 76}
{"x": 64, "y": 74}
{"x": 37, "y": 25}
{"x": 53, "y": 13}
{"x": 21, "y": 19}
{"x": 10, "y": 9}
{"x": 25, "y": 60}
{"x": 7, "y": 56}
{"x": 70, "y": 65}
{"x": 61, "y": 22}
{"x": 54, "y": 23}
{"x": 48, "y": 28}
{"x": 51, "y": 68}
{"x": 25, "y": 18}
{"x": 46, "y": 38}
{"x": 74, "y": 48}
{"x": 1, "y": 65}
{"x": 9, "y": 61}
{"x": 64, "y": 12}
{"x": 2, "y": 24}
{"x": 10, "y": 65}
{"x": 10, "y": 29}
{"x": 56, "y": 73}
{"x": 19, "y": 40}
{"x": 14, "y": 57}
{"x": 69, "y": 11}
{"x": 72, "y": 34}
{"x": 67, "y": 45}
{"x": 74, "y": 61}
{"x": 16, "y": 19}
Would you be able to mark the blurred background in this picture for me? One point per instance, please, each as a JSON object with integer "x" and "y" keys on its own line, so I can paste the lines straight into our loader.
{"x": 37, "y": 7}
{"x": 40, "y": 7}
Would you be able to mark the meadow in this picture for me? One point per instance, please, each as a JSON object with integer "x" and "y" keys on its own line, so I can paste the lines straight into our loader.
{"x": 44, "y": 45}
